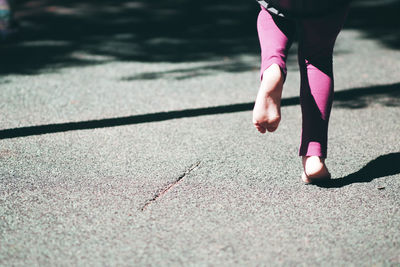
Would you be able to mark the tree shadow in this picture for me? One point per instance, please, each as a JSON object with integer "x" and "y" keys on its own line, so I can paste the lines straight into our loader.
{"x": 382, "y": 166}
{"x": 374, "y": 92}
{"x": 231, "y": 66}
{"x": 377, "y": 20}
{"x": 66, "y": 33}
{"x": 357, "y": 98}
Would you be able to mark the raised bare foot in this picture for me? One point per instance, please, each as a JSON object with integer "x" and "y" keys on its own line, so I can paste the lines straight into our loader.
{"x": 267, "y": 108}
{"x": 315, "y": 170}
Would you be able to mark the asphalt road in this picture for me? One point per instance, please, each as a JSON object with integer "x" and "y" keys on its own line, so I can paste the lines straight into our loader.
{"x": 113, "y": 157}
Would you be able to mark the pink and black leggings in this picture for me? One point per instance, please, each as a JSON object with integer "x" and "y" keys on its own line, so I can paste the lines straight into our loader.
{"x": 316, "y": 38}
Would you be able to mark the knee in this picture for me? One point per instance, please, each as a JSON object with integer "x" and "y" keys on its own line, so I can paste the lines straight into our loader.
{"x": 321, "y": 53}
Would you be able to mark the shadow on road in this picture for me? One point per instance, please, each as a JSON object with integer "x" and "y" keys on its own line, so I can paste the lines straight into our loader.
{"x": 380, "y": 167}
{"x": 63, "y": 33}
{"x": 389, "y": 93}
{"x": 377, "y": 19}
{"x": 66, "y": 33}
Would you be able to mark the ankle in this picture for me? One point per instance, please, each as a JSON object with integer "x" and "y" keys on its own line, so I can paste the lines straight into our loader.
{"x": 273, "y": 77}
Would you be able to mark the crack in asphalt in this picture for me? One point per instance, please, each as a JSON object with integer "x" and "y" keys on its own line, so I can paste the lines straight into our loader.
{"x": 169, "y": 186}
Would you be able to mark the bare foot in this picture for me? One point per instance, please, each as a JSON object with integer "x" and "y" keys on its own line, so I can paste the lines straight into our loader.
{"x": 315, "y": 169}
{"x": 267, "y": 109}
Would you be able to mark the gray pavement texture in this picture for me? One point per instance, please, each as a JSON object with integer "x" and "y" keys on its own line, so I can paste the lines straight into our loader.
{"x": 123, "y": 161}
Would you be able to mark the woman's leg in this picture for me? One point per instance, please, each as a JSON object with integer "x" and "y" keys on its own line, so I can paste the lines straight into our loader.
{"x": 317, "y": 39}
{"x": 275, "y": 35}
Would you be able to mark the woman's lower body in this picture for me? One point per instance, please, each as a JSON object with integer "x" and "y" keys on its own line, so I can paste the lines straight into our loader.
{"x": 316, "y": 37}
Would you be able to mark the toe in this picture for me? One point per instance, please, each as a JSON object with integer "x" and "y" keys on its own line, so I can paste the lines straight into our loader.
{"x": 261, "y": 129}
{"x": 272, "y": 127}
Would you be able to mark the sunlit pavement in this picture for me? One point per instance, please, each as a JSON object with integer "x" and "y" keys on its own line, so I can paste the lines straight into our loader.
{"x": 126, "y": 139}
